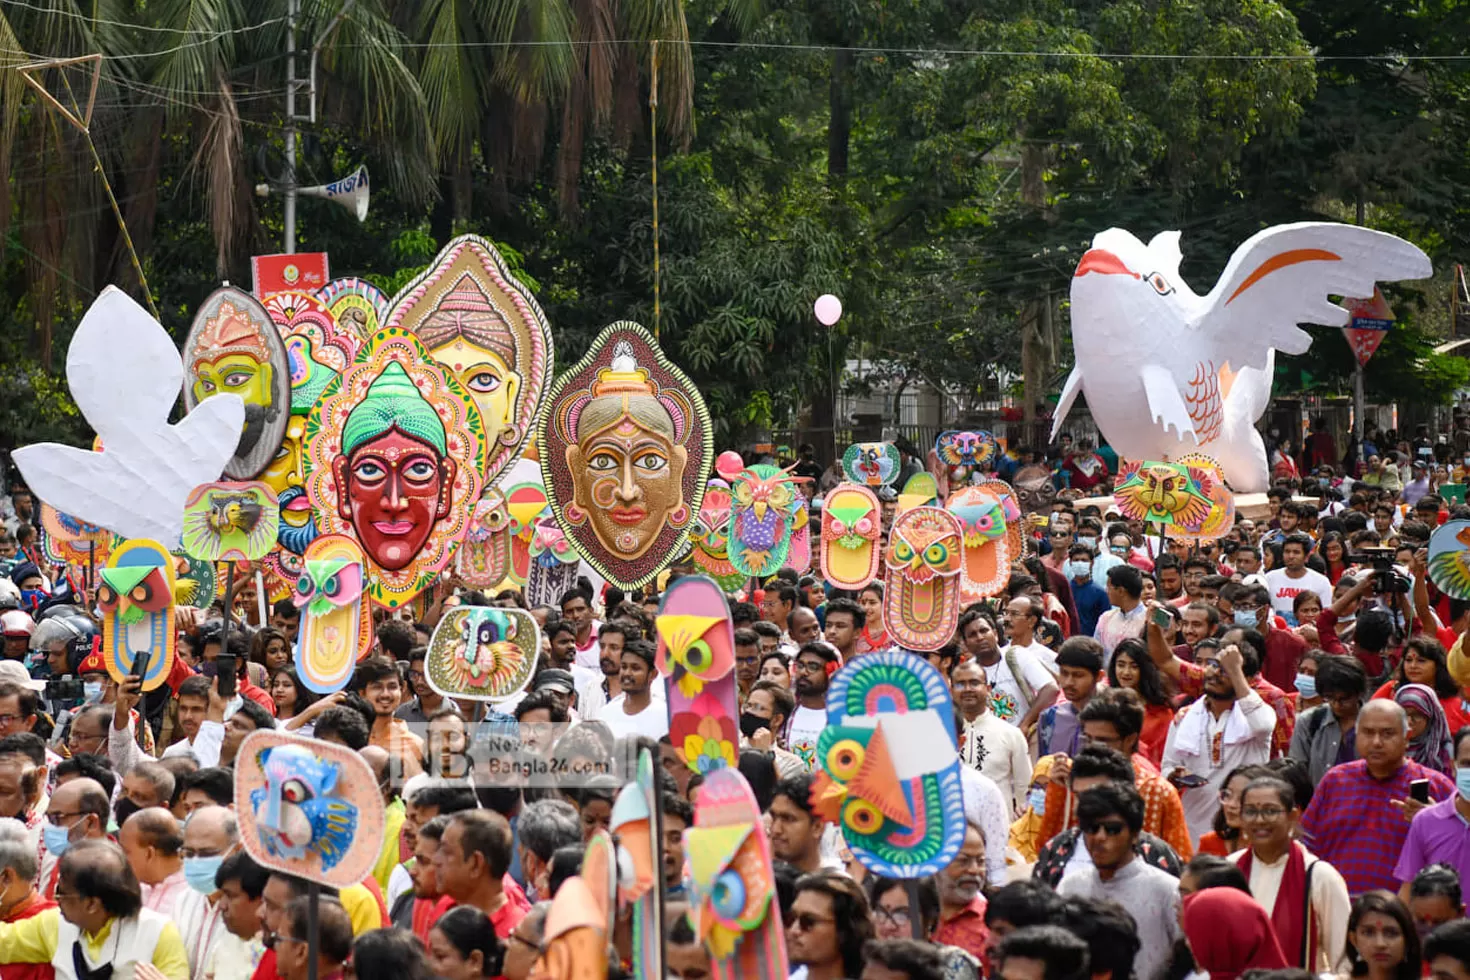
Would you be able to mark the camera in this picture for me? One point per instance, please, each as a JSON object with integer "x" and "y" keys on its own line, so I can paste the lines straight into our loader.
{"x": 65, "y": 689}
{"x": 1387, "y": 580}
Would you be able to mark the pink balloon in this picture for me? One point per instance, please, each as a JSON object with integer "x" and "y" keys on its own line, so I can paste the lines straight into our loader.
{"x": 828, "y": 309}
{"x": 729, "y": 464}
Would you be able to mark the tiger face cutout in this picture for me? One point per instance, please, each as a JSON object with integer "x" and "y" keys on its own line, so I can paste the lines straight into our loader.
{"x": 336, "y": 619}
{"x": 852, "y": 522}
{"x": 921, "y": 604}
{"x": 481, "y": 653}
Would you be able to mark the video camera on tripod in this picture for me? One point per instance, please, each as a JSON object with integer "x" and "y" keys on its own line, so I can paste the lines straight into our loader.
{"x": 1387, "y": 580}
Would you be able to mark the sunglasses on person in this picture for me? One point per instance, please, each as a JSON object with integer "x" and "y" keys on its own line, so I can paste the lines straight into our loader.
{"x": 1110, "y": 827}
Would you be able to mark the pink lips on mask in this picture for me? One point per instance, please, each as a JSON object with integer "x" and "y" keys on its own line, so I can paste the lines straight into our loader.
{"x": 393, "y": 527}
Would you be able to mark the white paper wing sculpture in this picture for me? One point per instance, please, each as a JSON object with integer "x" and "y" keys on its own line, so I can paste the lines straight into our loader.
{"x": 1169, "y": 372}
{"x": 125, "y": 374}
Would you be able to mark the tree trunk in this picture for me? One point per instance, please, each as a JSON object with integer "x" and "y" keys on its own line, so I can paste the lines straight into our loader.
{"x": 839, "y": 114}
{"x": 1034, "y": 315}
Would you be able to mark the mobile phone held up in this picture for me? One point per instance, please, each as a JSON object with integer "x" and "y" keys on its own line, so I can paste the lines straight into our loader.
{"x": 140, "y": 664}
{"x": 226, "y": 672}
{"x": 1419, "y": 791}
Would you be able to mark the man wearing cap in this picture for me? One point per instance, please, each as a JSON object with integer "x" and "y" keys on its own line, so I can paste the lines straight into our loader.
{"x": 1417, "y": 487}
{"x": 560, "y": 686}
{"x": 17, "y": 625}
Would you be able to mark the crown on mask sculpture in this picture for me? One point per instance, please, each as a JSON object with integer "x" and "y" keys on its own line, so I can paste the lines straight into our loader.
{"x": 393, "y": 400}
{"x": 231, "y": 332}
{"x": 465, "y": 311}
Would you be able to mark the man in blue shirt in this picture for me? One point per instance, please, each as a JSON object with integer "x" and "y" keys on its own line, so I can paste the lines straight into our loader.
{"x": 1091, "y": 599}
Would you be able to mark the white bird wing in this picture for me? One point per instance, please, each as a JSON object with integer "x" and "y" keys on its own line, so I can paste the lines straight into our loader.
{"x": 1064, "y": 404}
{"x": 1165, "y": 405}
{"x": 1282, "y": 276}
{"x": 122, "y": 367}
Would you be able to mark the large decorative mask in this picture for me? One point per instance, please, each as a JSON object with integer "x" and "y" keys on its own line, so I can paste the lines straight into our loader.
{"x": 987, "y": 553}
{"x": 482, "y": 653}
{"x": 137, "y": 601}
{"x": 483, "y": 558}
{"x": 1164, "y": 493}
{"x": 626, "y": 447}
{"x": 308, "y": 808}
{"x": 889, "y": 774}
{"x": 356, "y": 304}
{"x": 762, "y": 517}
{"x": 230, "y": 521}
{"x": 394, "y": 456}
{"x": 921, "y": 600}
{"x": 733, "y": 882}
{"x": 1449, "y": 559}
{"x": 123, "y": 371}
{"x": 336, "y": 618}
{"x": 975, "y": 450}
{"x": 489, "y": 333}
{"x": 68, "y": 541}
{"x": 637, "y": 824}
{"x": 852, "y": 522}
{"x": 696, "y": 652}
{"x": 233, "y": 347}
{"x": 554, "y": 565}
{"x": 872, "y": 464}
{"x": 711, "y": 537}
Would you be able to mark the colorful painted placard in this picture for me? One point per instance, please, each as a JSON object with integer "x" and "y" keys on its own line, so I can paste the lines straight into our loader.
{"x": 695, "y": 653}
{"x": 483, "y": 653}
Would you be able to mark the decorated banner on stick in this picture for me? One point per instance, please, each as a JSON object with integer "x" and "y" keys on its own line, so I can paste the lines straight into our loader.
{"x": 921, "y": 601}
{"x": 1371, "y": 320}
{"x": 336, "y": 618}
{"x": 480, "y": 653}
{"x": 137, "y": 602}
{"x": 1449, "y": 559}
{"x": 696, "y": 653}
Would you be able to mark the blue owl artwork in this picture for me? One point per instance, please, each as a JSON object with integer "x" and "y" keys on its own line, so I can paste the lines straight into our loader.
{"x": 308, "y": 808}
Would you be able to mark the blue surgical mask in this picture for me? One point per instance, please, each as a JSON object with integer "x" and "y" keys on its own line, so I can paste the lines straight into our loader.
{"x": 1078, "y": 569}
{"x": 1462, "y": 781}
{"x": 92, "y": 691}
{"x": 57, "y": 839}
{"x": 1246, "y": 618}
{"x": 1306, "y": 685}
{"x": 1089, "y": 540}
{"x": 1037, "y": 800}
{"x": 199, "y": 872}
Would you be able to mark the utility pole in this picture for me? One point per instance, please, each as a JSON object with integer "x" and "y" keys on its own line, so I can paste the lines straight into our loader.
{"x": 293, "y": 8}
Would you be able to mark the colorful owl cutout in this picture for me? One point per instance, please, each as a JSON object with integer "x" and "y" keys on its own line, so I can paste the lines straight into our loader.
{"x": 1163, "y": 493}
{"x": 554, "y": 565}
{"x": 626, "y": 448}
{"x": 1011, "y": 509}
{"x": 1221, "y": 518}
{"x": 921, "y": 490}
{"x": 889, "y": 774}
{"x": 987, "y": 564}
{"x": 481, "y": 653}
{"x": 483, "y": 558}
{"x": 799, "y": 554}
{"x": 1449, "y": 559}
{"x": 136, "y": 596}
{"x": 230, "y": 521}
{"x": 308, "y": 808}
{"x": 527, "y": 506}
{"x": 732, "y": 882}
{"x": 872, "y": 464}
{"x": 711, "y": 537}
{"x": 852, "y": 523}
{"x": 762, "y": 518}
{"x": 336, "y": 618}
{"x": 921, "y": 601}
{"x": 696, "y": 654}
{"x": 638, "y": 826}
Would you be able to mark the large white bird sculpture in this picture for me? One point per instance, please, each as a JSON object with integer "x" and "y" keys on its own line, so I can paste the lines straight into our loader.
{"x": 1169, "y": 372}
{"x": 126, "y": 374}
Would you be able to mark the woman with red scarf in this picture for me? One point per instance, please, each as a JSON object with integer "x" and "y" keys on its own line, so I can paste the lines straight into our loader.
{"x": 1306, "y": 898}
{"x": 1229, "y": 933}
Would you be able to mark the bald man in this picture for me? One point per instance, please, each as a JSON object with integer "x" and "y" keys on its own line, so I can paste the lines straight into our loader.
{"x": 153, "y": 842}
{"x": 210, "y": 836}
{"x": 77, "y": 811}
{"x": 1359, "y": 816}
{"x": 803, "y": 626}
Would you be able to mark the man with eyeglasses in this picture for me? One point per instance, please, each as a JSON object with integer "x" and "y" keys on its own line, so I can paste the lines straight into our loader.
{"x": 1111, "y": 818}
{"x": 986, "y": 743}
{"x": 1061, "y": 543}
{"x": 210, "y": 835}
{"x": 333, "y": 941}
{"x": 811, "y": 671}
{"x": 830, "y": 922}
{"x": 426, "y": 701}
{"x": 961, "y": 902}
{"x": 523, "y": 945}
{"x": 78, "y": 811}
{"x": 1305, "y": 896}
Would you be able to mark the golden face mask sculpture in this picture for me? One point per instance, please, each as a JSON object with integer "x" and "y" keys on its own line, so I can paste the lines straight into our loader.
{"x": 395, "y": 450}
{"x": 233, "y": 347}
{"x": 491, "y": 336}
{"x": 626, "y": 448}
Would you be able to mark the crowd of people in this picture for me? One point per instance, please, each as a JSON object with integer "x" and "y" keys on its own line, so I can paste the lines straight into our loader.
{"x": 1242, "y": 757}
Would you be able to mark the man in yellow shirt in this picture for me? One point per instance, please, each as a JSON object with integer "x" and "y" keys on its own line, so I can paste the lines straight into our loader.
{"x": 99, "y": 921}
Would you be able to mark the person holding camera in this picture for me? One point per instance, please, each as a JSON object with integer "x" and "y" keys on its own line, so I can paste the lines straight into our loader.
{"x": 1375, "y": 633}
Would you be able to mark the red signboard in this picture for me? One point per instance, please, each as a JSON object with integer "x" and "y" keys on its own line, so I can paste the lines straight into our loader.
{"x": 1371, "y": 320}
{"x": 303, "y": 272}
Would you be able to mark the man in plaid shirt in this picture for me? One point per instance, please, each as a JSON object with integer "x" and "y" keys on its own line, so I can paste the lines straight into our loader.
{"x": 1359, "y": 817}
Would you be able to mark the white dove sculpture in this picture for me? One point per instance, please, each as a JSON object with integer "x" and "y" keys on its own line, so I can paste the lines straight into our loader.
{"x": 125, "y": 376}
{"x": 1169, "y": 372}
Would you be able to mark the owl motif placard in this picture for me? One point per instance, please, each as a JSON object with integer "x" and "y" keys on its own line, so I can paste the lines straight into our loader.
{"x": 136, "y": 597}
{"x": 711, "y": 537}
{"x": 230, "y": 522}
{"x": 626, "y": 448}
{"x": 483, "y": 558}
{"x": 696, "y": 654}
{"x": 987, "y": 555}
{"x": 483, "y": 653}
{"x": 921, "y": 602}
{"x": 554, "y": 565}
{"x": 763, "y": 517}
{"x": 336, "y": 618}
{"x": 852, "y": 523}
{"x": 889, "y": 775}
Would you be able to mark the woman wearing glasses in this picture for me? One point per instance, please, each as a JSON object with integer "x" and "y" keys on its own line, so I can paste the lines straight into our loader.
{"x": 1305, "y": 896}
